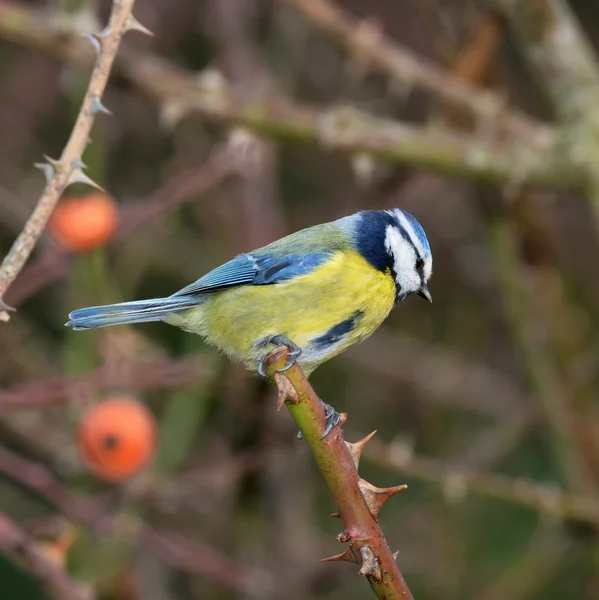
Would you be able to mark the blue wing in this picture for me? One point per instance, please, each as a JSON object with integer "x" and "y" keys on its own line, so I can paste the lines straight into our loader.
{"x": 248, "y": 269}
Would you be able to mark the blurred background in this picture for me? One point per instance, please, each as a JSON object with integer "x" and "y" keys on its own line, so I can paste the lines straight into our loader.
{"x": 241, "y": 121}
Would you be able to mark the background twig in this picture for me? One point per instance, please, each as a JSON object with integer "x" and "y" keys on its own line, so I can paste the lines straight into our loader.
{"x": 533, "y": 160}
{"x": 68, "y": 168}
{"x": 132, "y": 375}
{"x": 457, "y": 481}
{"x": 174, "y": 549}
{"x": 368, "y": 43}
{"x": 244, "y": 120}
{"x": 20, "y": 547}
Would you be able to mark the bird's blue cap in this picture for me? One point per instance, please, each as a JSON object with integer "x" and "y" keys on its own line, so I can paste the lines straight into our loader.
{"x": 417, "y": 228}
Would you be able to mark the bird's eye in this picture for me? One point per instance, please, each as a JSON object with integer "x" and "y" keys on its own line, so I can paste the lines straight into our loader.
{"x": 419, "y": 264}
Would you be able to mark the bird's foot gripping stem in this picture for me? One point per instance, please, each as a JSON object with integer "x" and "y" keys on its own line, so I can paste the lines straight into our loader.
{"x": 332, "y": 418}
{"x": 294, "y": 352}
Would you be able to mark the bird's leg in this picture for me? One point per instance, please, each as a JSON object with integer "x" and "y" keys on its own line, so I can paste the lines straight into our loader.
{"x": 294, "y": 352}
{"x": 331, "y": 417}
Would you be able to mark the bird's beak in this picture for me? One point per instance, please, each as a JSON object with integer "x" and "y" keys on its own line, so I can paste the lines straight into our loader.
{"x": 424, "y": 293}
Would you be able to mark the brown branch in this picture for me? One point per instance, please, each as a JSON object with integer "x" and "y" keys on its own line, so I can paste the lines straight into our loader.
{"x": 178, "y": 552}
{"x": 23, "y": 550}
{"x": 533, "y": 160}
{"x": 556, "y": 45}
{"x": 183, "y": 187}
{"x": 150, "y": 374}
{"x": 352, "y": 131}
{"x": 68, "y": 169}
{"x": 369, "y": 44}
{"x": 458, "y": 481}
{"x": 359, "y": 502}
{"x": 477, "y": 58}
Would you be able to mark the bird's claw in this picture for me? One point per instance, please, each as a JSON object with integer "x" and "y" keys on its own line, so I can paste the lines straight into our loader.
{"x": 332, "y": 418}
{"x": 294, "y": 352}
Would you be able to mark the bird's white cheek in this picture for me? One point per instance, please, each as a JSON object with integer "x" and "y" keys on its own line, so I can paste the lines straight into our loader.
{"x": 408, "y": 282}
{"x": 400, "y": 251}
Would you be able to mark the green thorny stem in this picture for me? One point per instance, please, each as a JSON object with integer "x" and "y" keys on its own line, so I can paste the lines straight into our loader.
{"x": 359, "y": 502}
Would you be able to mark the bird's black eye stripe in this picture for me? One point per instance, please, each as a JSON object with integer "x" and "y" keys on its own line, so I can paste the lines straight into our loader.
{"x": 419, "y": 266}
{"x": 371, "y": 238}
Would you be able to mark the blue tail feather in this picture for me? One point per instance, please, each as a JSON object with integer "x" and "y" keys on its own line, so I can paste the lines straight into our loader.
{"x": 140, "y": 311}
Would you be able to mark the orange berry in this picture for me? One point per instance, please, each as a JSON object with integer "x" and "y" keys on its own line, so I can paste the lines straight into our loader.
{"x": 117, "y": 438}
{"x": 83, "y": 223}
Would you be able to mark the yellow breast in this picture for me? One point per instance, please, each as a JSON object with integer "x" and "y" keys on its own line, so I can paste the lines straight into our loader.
{"x": 324, "y": 312}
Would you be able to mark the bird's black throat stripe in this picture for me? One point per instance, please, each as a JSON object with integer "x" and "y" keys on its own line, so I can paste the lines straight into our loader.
{"x": 336, "y": 333}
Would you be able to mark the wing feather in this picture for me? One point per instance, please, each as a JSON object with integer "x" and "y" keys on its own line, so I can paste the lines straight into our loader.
{"x": 248, "y": 269}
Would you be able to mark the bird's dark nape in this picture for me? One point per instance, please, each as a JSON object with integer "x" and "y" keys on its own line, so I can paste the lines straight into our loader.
{"x": 370, "y": 237}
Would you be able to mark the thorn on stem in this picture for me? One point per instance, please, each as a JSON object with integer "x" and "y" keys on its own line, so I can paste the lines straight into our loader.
{"x": 97, "y": 106}
{"x": 78, "y": 176}
{"x": 47, "y": 170}
{"x": 395, "y": 555}
{"x": 335, "y": 515}
{"x": 287, "y": 392}
{"x": 375, "y": 497}
{"x": 79, "y": 164}
{"x": 106, "y": 32}
{"x": 370, "y": 564}
{"x": 95, "y": 41}
{"x": 55, "y": 164}
{"x": 4, "y": 306}
{"x": 347, "y": 556}
{"x": 356, "y": 449}
{"x": 133, "y": 24}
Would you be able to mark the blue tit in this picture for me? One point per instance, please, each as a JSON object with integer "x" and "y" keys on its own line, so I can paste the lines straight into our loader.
{"x": 320, "y": 290}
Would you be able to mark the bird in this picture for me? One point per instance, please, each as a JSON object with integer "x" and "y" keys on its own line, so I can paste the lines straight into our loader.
{"x": 317, "y": 291}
